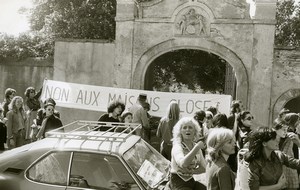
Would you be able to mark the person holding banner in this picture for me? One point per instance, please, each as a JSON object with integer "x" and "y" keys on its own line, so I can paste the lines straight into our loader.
{"x": 140, "y": 116}
{"x": 187, "y": 158}
{"x": 32, "y": 104}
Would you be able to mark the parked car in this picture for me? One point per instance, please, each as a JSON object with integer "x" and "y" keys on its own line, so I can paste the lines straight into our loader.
{"x": 79, "y": 156}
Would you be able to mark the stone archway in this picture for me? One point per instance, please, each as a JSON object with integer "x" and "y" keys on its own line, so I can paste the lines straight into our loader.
{"x": 283, "y": 99}
{"x": 148, "y": 57}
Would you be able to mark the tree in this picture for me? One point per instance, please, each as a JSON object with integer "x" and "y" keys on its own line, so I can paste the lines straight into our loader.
{"x": 288, "y": 23}
{"x": 24, "y": 46}
{"x": 196, "y": 70}
{"x": 79, "y": 19}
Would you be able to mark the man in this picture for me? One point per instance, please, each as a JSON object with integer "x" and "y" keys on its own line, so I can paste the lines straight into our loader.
{"x": 140, "y": 116}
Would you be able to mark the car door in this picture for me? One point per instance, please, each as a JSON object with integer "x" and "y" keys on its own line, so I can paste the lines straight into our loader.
{"x": 99, "y": 171}
{"x": 49, "y": 172}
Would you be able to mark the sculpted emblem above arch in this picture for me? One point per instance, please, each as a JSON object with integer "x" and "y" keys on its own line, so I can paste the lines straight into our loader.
{"x": 192, "y": 21}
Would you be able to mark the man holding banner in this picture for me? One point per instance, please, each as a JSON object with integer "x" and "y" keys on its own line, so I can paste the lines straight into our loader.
{"x": 140, "y": 116}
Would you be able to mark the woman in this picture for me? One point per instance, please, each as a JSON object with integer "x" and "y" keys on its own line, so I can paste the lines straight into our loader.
{"x": 220, "y": 120}
{"x": 50, "y": 121}
{"x": 9, "y": 95}
{"x": 243, "y": 128}
{"x": 16, "y": 120}
{"x": 286, "y": 141}
{"x": 165, "y": 127}
{"x": 114, "y": 111}
{"x": 293, "y": 122}
{"x": 33, "y": 105}
{"x": 220, "y": 144}
{"x": 208, "y": 120}
{"x": 266, "y": 162}
{"x": 187, "y": 158}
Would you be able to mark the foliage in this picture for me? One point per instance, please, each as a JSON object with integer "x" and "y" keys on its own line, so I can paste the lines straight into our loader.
{"x": 79, "y": 19}
{"x": 26, "y": 45}
{"x": 189, "y": 68}
{"x": 288, "y": 23}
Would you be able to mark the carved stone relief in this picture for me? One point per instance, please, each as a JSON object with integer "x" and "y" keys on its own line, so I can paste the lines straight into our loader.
{"x": 192, "y": 22}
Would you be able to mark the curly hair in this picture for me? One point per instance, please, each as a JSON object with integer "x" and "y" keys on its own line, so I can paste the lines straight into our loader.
{"x": 114, "y": 105}
{"x": 12, "y": 104}
{"x": 8, "y": 92}
{"x": 291, "y": 119}
{"x": 215, "y": 141}
{"x": 199, "y": 115}
{"x": 235, "y": 106}
{"x": 28, "y": 90}
{"x": 177, "y": 138}
{"x": 256, "y": 139}
{"x": 241, "y": 116}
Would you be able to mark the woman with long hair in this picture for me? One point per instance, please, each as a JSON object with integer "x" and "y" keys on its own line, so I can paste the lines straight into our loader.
{"x": 220, "y": 144}
{"x": 16, "y": 123}
{"x": 266, "y": 161}
{"x": 286, "y": 141}
{"x": 243, "y": 127}
{"x": 32, "y": 105}
{"x": 187, "y": 158}
{"x": 9, "y": 95}
{"x": 165, "y": 127}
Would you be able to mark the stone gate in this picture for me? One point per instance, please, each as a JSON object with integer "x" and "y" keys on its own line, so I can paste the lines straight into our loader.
{"x": 145, "y": 31}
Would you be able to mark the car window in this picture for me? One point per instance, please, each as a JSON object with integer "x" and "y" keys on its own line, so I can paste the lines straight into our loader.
{"x": 99, "y": 171}
{"x": 152, "y": 168}
{"x": 52, "y": 169}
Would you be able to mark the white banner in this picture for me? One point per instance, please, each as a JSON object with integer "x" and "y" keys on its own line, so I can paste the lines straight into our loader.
{"x": 97, "y": 98}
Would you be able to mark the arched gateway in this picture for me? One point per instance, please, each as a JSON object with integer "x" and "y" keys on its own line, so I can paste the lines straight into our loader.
{"x": 144, "y": 31}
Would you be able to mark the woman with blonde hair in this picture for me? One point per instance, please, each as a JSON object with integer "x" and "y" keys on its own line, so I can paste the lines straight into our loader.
{"x": 187, "y": 158}
{"x": 220, "y": 144}
{"x": 165, "y": 127}
{"x": 16, "y": 122}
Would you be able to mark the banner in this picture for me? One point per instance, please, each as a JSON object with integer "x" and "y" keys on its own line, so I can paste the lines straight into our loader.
{"x": 97, "y": 98}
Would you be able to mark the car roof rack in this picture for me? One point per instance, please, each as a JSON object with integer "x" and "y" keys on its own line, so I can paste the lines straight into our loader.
{"x": 95, "y": 131}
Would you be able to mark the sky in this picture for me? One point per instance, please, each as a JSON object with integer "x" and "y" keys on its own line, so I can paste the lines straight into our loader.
{"x": 11, "y": 22}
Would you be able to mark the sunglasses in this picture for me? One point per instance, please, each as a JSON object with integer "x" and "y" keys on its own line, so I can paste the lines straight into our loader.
{"x": 249, "y": 118}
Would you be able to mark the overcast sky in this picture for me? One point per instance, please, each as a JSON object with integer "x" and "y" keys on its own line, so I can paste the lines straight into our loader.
{"x": 11, "y": 21}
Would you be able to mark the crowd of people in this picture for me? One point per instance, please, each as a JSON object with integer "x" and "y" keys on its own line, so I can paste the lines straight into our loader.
{"x": 209, "y": 142}
{"x": 23, "y": 121}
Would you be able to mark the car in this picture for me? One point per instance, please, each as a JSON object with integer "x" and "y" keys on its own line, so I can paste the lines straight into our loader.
{"x": 82, "y": 156}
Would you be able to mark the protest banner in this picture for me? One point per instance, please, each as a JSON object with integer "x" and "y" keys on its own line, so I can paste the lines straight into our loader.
{"x": 97, "y": 98}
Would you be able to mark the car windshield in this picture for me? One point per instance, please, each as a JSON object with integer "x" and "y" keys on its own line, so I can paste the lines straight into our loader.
{"x": 152, "y": 168}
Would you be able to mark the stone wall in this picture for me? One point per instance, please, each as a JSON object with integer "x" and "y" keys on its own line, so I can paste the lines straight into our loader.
{"x": 286, "y": 77}
{"x": 22, "y": 74}
{"x": 85, "y": 62}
